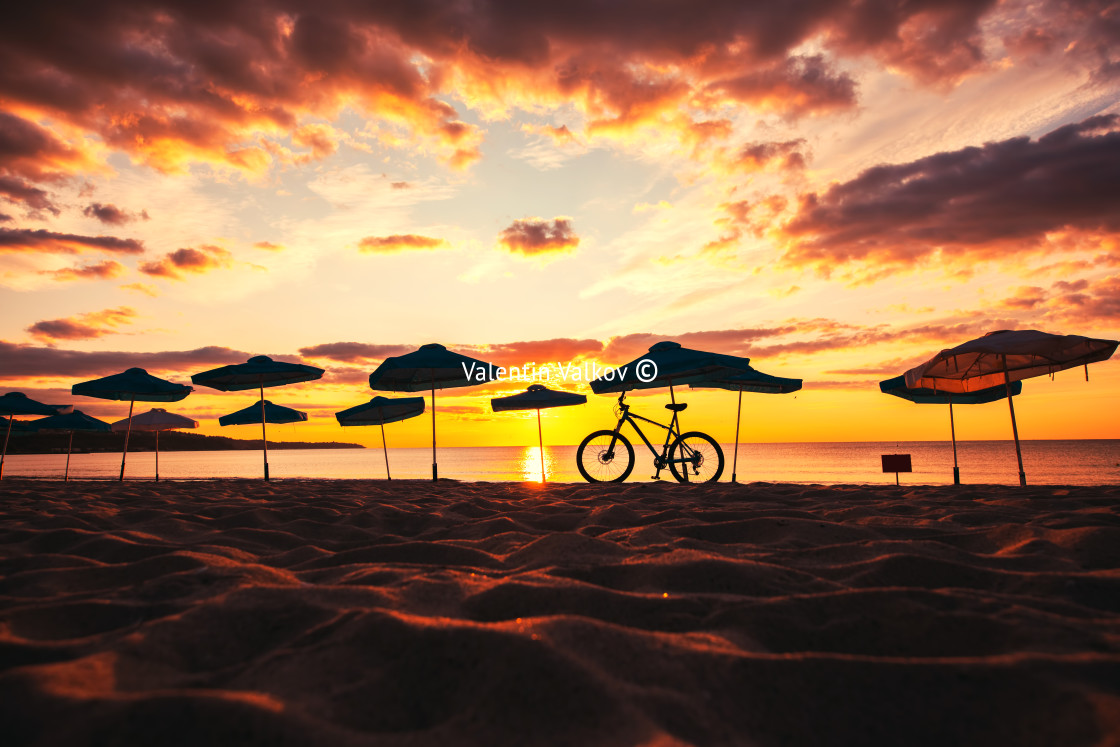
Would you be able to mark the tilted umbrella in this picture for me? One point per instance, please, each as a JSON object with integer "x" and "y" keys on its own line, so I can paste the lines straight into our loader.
{"x": 156, "y": 419}
{"x": 897, "y": 387}
{"x": 134, "y": 385}
{"x": 257, "y": 373}
{"x": 18, "y": 403}
{"x": 263, "y": 411}
{"x": 742, "y": 380}
{"x": 431, "y": 367}
{"x": 75, "y": 420}
{"x": 1003, "y": 357}
{"x": 379, "y": 411}
{"x": 537, "y": 397}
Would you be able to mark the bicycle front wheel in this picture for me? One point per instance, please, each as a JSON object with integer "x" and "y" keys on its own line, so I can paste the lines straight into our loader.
{"x": 703, "y": 458}
{"x": 605, "y": 457}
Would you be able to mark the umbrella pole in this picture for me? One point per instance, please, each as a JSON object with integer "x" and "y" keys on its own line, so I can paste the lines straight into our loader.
{"x": 435, "y": 470}
{"x": 384, "y": 446}
{"x": 540, "y": 440}
{"x": 5, "y": 452}
{"x": 735, "y": 456}
{"x": 953, "y": 433}
{"x": 127, "y": 433}
{"x": 1014, "y": 427}
{"x": 157, "y": 454}
{"x": 69, "y": 448}
{"x": 264, "y": 434}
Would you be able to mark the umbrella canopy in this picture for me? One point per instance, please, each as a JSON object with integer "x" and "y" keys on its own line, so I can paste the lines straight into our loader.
{"x": 537, "y": 397}
{"x": 75, "y": 420}
{"x": 433, "y": 367}
{"x": 134, "y": 385}
{"x": 1005, "y": 356}
{"x": 257, "y": 372}
{"x": 15, "y": 425}
{"x": 251, "y": 415}
{"x": 897, "y": 387}
{"x": 666, "y": 364}
{"x": 157, "y": 420}
{"x": 18, "y": 403}
{"x": 741, "y": 379}
{"x": 379, "y": 411}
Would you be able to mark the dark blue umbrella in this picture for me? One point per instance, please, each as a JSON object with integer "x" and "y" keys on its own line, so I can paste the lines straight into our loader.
{"x": 431, "y": 367}
{"x": 134, "y": 385}
{"x": 379, "y": 411}
{"x": 666, "y": 364}
{"x": 923, "y": 396}
{"x": 18, "y": 403}
{"x": 746, "y": 379}
{"x": 262, "y": 412}
{"x": 537, "y": 397}
{"x": 257, "y": 373}
{"x": 75, "y": 420}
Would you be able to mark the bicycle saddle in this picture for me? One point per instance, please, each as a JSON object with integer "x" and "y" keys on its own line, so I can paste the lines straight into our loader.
{"x": 676, "y": 408}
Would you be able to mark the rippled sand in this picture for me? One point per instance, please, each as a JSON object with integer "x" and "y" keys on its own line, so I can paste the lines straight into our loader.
{"x": 368, "y": 612}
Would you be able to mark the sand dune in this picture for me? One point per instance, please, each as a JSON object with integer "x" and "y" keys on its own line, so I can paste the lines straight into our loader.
{"x": 407, "y": 613}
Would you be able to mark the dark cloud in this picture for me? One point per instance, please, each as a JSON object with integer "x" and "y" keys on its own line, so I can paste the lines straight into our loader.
{"x": 41, "y": 240}
{"x": 111, "y": 214}
{"x": 534, "y": 236}
{"x": 18, "y": 361}
{"x": 106, "y": 270}
{"x": 15, "y": 189}
{"x": 354, "y": 352}
{"x": 979, "y": 201}
{"x": 176, "y": 264}
{"x": 399, "y": 243}
{"x": 788, "y": 155}
{"x": 87, "y": 326}
{"x": 794, "y": 88}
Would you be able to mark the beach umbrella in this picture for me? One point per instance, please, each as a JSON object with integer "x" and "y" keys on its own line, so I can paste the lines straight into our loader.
{"x": 431, "y": 367}
{"x": 75, "y": 420}
{"x": 134, "y": 385}
{"x": 922, "y": 396}
{"x": 379, "y": 411}
{"x": 1005, "y": 356}
{"x": 257, "y": 373}
{"x": 156, "y": 419}
{"x": 537, "y": 397}
{"x": 261, "y": 412}
{"x": 666, "y": 364}
{"x": 746, "y": 379}
{"x": 18, "y": 403}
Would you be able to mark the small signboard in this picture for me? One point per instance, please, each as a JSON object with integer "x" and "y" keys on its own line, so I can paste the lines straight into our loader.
{"x": 896, "y": 463}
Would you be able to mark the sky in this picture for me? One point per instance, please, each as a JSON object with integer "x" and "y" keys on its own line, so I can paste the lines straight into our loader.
{"x": 835, "y": 190}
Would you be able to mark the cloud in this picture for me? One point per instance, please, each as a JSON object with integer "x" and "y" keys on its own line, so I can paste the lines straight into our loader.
{"x": 20, "y": 361}
{"x": 533, "y": 236}
{"x": 399, "y": 243}
{"x": 175, "y": 264}
{"x": 786, "y": 155}
{"x": 353, "y": 352}
{"x": 556, "y": 350}
{"x": 981, "y": 202}
{"x": 268, "y": 245}
{"x": 35, "y": 152}
{"x": 86, "y": 326}
{"x": 795, "y": 87}
{"x": 111, "y": 214}
{"x": 16, "y": 190}
{"x": 41, "y": 240}
{"x": 105, "y": 270}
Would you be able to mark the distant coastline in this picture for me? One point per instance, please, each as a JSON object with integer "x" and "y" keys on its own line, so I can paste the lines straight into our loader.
{"x": 54, "y": 443}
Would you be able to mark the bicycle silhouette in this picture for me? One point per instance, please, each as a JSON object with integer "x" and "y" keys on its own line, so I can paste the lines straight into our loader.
{"x": 608, "y": 456}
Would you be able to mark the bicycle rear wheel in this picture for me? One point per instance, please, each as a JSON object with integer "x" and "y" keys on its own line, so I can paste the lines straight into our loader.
{"x": 598, "y": 461}
{"x": 705, "y": 458}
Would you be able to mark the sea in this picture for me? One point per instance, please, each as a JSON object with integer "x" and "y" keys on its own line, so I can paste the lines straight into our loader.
{"x": 1069, "y": 462}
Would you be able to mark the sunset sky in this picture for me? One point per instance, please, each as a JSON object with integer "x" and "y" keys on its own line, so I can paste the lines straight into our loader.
{"x": 836, "y": 190}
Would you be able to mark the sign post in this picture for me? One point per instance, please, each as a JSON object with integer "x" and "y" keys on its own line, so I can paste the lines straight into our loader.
{"x": 896, "y": 463}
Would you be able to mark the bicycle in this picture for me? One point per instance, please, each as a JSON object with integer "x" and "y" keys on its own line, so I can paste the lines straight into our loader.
{"x": 692, "y": 454}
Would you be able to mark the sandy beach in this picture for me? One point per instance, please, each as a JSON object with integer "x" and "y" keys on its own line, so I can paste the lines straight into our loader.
{"x": 369, "y": 612}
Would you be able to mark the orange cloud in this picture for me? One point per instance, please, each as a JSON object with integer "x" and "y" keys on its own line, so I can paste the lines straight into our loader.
{"x": 269, "y": 246}
{"x": 106, "y": 270}
{"x": 112, "y": 214}
{"x": 41, "y": 240}
{"x": 534, "y": 237}
{"x": 399, "y": 243}
{"x": 188, "y": 260}
{"x": 82, "y": 327}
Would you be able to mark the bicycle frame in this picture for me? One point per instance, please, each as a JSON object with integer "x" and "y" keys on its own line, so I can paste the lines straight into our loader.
{"x": 660, "y": 461}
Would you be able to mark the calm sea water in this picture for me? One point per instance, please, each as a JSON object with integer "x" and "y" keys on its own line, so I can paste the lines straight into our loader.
{"x": 1088, "y": 462}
